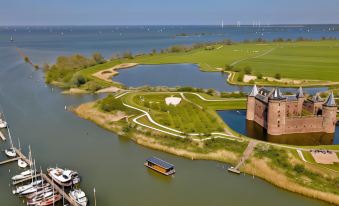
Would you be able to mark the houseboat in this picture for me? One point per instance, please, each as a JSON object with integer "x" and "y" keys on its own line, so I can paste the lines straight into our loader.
{"x": 160, "y": 166}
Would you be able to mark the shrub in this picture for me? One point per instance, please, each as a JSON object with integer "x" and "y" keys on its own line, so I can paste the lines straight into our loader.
{"x": 259, "y": 76}
{"x": 36, "y": 66}
{"x": 248, "y": 70}
{"x": 299, "y": 168}
{"x": 240, "y": 77}
{"x": 98, "y": 58}
{"x": 277, "y": 76}
{"x": 78, "y": 80}
{"x": 228, "y": 67}
{"x": 92, "y": 86}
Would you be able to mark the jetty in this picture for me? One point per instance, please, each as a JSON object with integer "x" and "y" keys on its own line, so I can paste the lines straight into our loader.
{"x": 20, "y": 155}
{"x": 245, "y": 156}
{"x": 59, "y": 190}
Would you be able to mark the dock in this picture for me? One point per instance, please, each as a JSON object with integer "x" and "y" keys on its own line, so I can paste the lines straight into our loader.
{"x": 245, "y": 156}
{"x": 23, "y": 157}
{"x": 2, "y": 136}
{"x": 59, "y": 190}
{"x": 9, "y": 160}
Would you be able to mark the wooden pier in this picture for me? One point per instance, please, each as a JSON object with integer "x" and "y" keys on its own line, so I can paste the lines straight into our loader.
{"x": 9, "y": 160}
{"x": 59, "y": 190}
{"x": 245, "y": 156}
{"x": 2, "y": 136}
{"x": 23, "y": 157}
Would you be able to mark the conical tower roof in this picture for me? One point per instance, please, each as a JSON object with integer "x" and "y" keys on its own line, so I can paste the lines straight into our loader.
{"x": 277, "y": 94}
{"x": 330, "y": 102}
{"x": 317, "y": 98}
{"x": 300, "y": 93}
{"x": 254, "y": 91}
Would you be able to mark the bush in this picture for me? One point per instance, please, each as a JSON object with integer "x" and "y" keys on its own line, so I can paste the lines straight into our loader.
{"x": 240, "y": 77}
{"x": 277, "y": 76}
{"x": 299, "y": 168}
{"x": 127, "y": 55}
{"x": 259, "y": 76}
{"x": 98, "y": 58}
{"x": 110, "y": 104}
{"x": 228, "y": 67}
{"x": 248, "y": 70}
{"x": 36, "y": 66}
{"x": 92, "y": 86}
{"x": 78, "y": 80}
{"x": 26, "y": 59}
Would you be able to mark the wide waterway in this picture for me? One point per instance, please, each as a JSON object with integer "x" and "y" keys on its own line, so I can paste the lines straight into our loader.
{"x": 113, "y": 165}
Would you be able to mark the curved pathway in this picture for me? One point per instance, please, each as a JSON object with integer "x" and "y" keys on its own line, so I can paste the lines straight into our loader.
{"x": 260, "y": 55}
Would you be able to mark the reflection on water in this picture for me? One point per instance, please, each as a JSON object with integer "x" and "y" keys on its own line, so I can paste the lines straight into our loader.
{"x": 173, "y": 75}
{"x": 236, "y": 119}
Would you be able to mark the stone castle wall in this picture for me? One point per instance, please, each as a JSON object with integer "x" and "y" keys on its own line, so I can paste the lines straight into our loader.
{"x": 304, "y": 124}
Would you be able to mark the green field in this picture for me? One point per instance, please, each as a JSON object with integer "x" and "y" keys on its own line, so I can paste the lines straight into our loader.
{"x": 314, "y": 60}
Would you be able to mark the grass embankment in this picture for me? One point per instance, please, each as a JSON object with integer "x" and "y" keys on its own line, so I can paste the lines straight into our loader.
{"x": 280, "y": 166}
{"x": 283, "y": 168}
{"x": 296, "y": 63}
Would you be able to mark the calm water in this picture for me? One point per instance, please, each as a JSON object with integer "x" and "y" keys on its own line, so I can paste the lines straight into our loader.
{"x": 236, "y": 119}
{"x": 113, "y": 165}
{"x": 173, "y": 75}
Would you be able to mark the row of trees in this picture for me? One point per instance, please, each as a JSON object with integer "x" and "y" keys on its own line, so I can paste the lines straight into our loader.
{"x": 247, "y": 70}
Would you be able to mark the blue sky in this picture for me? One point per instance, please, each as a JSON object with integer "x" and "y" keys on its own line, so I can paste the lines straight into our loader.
{"x": 162, "y": 12}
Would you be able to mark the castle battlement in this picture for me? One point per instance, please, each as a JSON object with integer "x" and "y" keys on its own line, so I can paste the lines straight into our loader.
{"x": 288, "y": 114}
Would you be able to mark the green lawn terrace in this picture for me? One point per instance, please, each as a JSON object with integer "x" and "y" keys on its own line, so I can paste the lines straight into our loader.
{"x": 192, "y": 115}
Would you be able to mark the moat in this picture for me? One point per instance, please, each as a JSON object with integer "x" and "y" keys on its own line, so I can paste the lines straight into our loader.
{"x": 236, "y": 119}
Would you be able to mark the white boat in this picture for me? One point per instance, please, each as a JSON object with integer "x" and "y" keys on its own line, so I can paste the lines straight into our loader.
{"x": 26, "y": 187}
{"x": 3, "y": 124}
{"x": 22, "y": 164}
{"x": 23, "y": 175}
{"x": 79, "y": 196}
{"x": 63, "y": 177}
{"x": 10, "y": 152}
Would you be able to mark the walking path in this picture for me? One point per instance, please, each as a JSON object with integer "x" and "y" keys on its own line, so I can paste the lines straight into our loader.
{"x": 260, "y": 55}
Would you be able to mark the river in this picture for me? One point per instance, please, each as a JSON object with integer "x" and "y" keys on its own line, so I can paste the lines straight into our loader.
{"x": 111, "y": 164}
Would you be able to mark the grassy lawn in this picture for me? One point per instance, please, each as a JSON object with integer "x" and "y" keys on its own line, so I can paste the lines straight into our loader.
{"x": 185, "y": 117}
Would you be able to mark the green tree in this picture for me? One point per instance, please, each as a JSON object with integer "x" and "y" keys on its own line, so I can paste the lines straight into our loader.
{"x": 277, "y": 76}
{"x": 248, "y": 70}
{"x": 98, "y": 58}
{"x": 259, "y": 76}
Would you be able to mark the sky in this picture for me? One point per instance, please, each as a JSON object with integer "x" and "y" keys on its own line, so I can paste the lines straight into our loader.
{"x": 167, "y": 12}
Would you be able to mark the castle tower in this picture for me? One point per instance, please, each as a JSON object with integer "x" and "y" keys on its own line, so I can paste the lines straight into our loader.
{"x": 301, "y": 98}
{"x": 276, "y": 114}
{"x": 251, "y": 103}
{"x": 329, "y": 114}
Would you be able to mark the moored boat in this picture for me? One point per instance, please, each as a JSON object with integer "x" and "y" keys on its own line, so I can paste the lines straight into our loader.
{"x": 23, "y": 175}
{"x": 10, "y": 152}
{"x": 159, "y": 165}
{"x": 49, "y": 201}
{"x": 22, "y": 164}
{"x": 26, "y": 187}
{"x": 79, "y": 197}
{"x": 64, "y": 177}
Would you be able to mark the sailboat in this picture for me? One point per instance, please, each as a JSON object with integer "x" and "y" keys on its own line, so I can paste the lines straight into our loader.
{"x": 12, "y": 40}
{"x": 10, "y": 152}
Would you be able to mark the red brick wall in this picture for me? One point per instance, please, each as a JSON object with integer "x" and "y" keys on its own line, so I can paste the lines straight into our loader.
{"x": 304, "y": 124}
{"x": 260, "y": 113}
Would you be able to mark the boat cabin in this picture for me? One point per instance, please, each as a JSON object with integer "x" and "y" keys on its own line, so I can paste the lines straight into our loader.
{"x": 160, "y": 166}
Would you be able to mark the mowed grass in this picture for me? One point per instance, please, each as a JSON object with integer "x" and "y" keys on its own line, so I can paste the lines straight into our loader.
{"x": 318, "y": 60}
{"x": 185, "y": 117}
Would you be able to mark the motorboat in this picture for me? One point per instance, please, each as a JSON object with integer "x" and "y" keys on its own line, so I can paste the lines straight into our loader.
{"x": 64, "y": 177}
{"x": 10, "y": 152}
{"x": 26, "y": 187}
{"x": 22, "y": 164}
{"x": 79, "y": 197}
{"x": 23, "y": 175}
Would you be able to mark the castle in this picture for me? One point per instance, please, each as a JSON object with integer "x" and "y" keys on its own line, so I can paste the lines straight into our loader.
{"x": 288, "y": 114}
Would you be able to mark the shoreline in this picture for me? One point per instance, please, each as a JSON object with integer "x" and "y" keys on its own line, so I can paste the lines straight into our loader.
{"x": 266, "y": 172}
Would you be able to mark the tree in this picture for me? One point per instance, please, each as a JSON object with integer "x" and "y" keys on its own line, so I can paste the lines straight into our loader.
{"x": 79, "y": 80}
{"x": 240, "y": 77}
{"x": 259, "y": 76}
{"x": 228, "y": 67}
{"x": 248, "y": 70}
{"x": 127, "y": 55}
{"x": 277, "y": 76}
{"x": 45, "y": 67}
{"x": 98, "y": 58}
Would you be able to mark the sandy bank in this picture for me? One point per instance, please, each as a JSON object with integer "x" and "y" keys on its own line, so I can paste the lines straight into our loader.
{"x": 107, "y": 74}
